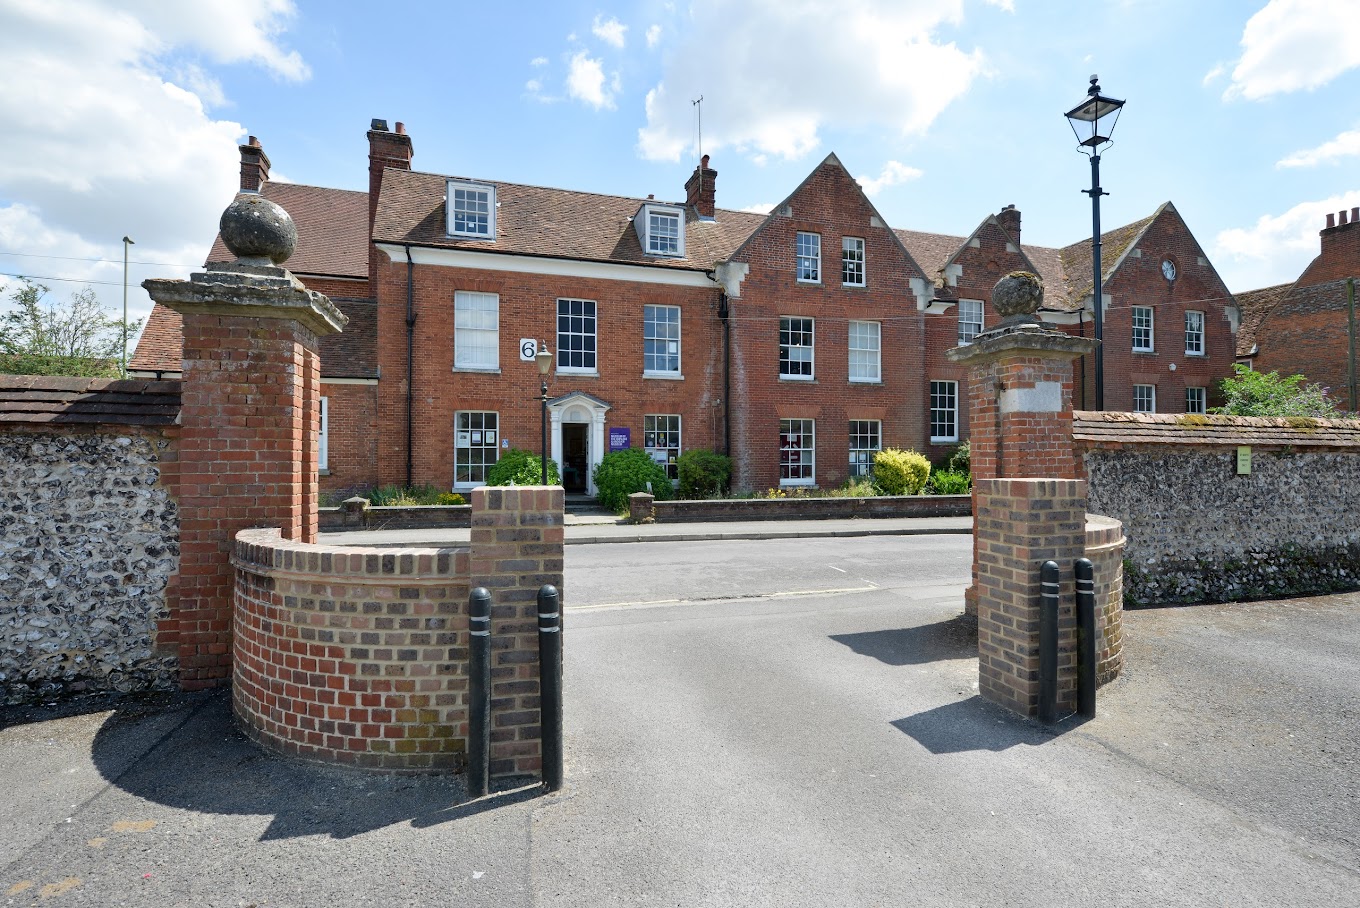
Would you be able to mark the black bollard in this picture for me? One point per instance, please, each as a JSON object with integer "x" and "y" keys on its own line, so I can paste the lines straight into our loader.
{"x": 550, "y": 684}
{"x": 479, "y": 692}
{"x": 1048, "y": 642}
{"x": 1086, "y": 636}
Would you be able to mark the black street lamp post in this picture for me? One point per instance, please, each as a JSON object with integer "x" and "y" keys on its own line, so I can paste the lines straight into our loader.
{"x": 1093, "y": 123}
{"x": 544, "y": 360}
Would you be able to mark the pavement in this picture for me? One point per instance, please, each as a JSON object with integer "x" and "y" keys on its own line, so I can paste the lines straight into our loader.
{"x": 593, "y": 529}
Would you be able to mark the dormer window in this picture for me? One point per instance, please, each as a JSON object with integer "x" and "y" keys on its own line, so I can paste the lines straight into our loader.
{"x": 472, "y": 210}
{"x": 661, "y": 230}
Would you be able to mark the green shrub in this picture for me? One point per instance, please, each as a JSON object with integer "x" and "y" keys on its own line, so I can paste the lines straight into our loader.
{"x": 949, "y": 482}
{"x": 621, "y": 473}
{"x": 856, "y": 487}
{"x": 960, "y": 460}
{"x": 413, "y": 496}
{"x": 518, "y": 467}
{"x": 899, "y": 472}
{"x": 703, "y": 474}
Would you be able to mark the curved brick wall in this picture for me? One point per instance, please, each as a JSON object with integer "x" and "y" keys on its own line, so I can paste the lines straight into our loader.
{"x": 1105, "y": 548}
{"x": 352, "y": 655}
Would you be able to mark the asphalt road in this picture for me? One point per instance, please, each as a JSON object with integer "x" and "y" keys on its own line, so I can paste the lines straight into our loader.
{"x": 762, "y": 723}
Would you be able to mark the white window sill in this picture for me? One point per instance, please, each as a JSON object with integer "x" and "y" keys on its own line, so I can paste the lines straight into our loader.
{"x": 472, "y": 236}
{"x": 805, "y": 281}
{"x": 322, "y": 471}
{"x": 580, "y": 373}
{"x": 1147, "y": 350}
{"x": 796, "y": 483}
{"x": 866, "y": 381}
{"x": 668, "y": 376}
{"x": 489, "y": 370}
{"x": 665, "y": 255}
{"x": 797, "y": 378}
{"x": 1199, "y": 355}
{"x": 861, "y": 286}
{"x": 944, "y": 441}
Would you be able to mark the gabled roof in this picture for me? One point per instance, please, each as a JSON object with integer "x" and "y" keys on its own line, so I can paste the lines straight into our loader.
{"x": 50, "y": 400}
{"x": 161, "y": 346}
{"x": 332, "y": 226}
{"x": 932, "y": 251}
{"x": 557, "y": 223}
{"x": 1114, "y": 245}
{"x": 1255, "y": 306}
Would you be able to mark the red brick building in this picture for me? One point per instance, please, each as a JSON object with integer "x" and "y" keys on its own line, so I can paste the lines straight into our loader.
{"x": 799, "y": 342}
{"x": 1304, "y": 328}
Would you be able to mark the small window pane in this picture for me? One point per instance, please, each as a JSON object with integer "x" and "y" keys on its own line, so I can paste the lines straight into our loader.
{"x": 661, "y": 441}
{"x": 970, "y": 320}
{"x": 1194, "y": 333}
{"x": 865, "y": 442}
{"x": 865, "y": 360}
{"x": 852, "y": 261}
{"x": 476, "y": 330}
{"x": 470, "y": 211}
{"x": 809, "y": 257}
{"x": 475, "y": 446}
{"x": 1196, "y": 400}
{"x": 1145, "y": 398}
{"x": 795, "y": 348}
{"x": 1142, "y": 328}
{"x": 576, "y": 334}
{"x": 661, "y": 339}
{"x": 663, "y": 233}
{"x": 944, "y": 411}
{"x": 797, "y": 452}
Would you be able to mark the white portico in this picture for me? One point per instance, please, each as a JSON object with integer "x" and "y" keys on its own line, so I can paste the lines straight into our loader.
{"x": 577, "y": 438}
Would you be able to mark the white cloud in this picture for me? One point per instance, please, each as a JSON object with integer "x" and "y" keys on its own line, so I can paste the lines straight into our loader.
{"x": 1278, "y": 247}
{"x": 653, "y": 35}
{"x": 759, "y": 208}
{"x": 1007, "y": 5}
{"x": 610, "y": 31}
{"x": 586, "y": 82}
{"x": 1290, "y": 45}
{"x": 1343, "y": 146}
{"x": 539, "y": 61}
{"x": 893, "y": 173}
{"x": 1214, "y": 74}
{"x": 111, "y": 100}
{"x": 777, "y": 73}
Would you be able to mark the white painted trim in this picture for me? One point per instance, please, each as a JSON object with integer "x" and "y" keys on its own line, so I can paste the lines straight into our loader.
{"x": 348, "y": 381}
{"x": 667, "y": 376}
{"x": 493, "y": 260}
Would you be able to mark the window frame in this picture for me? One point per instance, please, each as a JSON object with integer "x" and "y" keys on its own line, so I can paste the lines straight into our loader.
{"x": 864, "y": 466}
{"x": 952, "y": 410}
{"x": 451, "y": 210}
{"x": 1150, "y": 330}
{"x": 646, "y": 235}
{"x": 979, "y": 322}
{"x": 647, "y": 325}
{"x": 495, "y": 364}
{"x": 1189, "y": 335}
{"x": 493, "y": 445}
{"x": 849, "y": 261}
{"x": 670, "y": 465}
{"x": 1152, "y": 398}
{"x": 1203, "y": 399}
{"x": 814, "y": 258}
{"x": 807, "y": 428}
{"x": 786, "y": 330}
{"x": 877, "y": 352}
{"x": 593, "y": 334}
{"x": 323, "y": 442}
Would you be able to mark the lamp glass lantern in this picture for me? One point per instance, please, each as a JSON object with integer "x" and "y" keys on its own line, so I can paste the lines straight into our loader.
{"x": 1094, "y": 119}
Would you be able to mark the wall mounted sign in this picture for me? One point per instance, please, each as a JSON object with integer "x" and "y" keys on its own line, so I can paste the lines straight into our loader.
{"x": 1244, "y": 460}
{"x": 620, "y": 439}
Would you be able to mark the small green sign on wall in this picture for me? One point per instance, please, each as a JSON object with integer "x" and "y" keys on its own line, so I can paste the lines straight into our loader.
{"x": 1244, "y": 460}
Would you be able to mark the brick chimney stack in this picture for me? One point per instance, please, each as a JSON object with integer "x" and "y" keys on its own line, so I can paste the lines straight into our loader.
{"x": 699, "y": 189}
{"x": 386, "y": 150}
{"x": 254, "y": 166}
{"x": 1009, "y": 219}
{"x": 1340, "y": 254}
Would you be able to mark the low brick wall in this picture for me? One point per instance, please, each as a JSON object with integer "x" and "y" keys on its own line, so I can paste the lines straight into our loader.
{"x": 368, "y": 517}
{"x": 642, "y": 506}
{"x": 348, "y": 655}
{"x": 1200, "y": 532}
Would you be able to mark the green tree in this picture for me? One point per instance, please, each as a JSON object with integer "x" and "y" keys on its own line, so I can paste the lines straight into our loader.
{"x": 1249, "y": 393}
{"x": 39, "y": 336}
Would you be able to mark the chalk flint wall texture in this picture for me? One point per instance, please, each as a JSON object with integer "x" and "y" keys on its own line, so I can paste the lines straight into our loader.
{"x": 1199, "y": 532}
{"x": 89, "y": 540}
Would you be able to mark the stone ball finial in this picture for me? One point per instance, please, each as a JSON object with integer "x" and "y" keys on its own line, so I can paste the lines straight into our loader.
{"x": 1018, "y": 295}
{"x": 257, "y": 230}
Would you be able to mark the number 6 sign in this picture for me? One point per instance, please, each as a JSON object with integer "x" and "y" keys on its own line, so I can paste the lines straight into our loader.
{"x": 528, "y": 348}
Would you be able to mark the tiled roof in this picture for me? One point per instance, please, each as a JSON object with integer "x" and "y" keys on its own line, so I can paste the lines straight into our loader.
{"x": 1255, "y": 306}
{"x": 1057, "y": 290}
{"x": 332, "y": 226}
{"x": 353, "y": 353}
{"x": 931, "y": 250}
{"x": 49, "y": 400}
{"x": 1097, "y": 429}
{"x": 1076, "y": 259}
{"x": 559, "y": 223}
{"x": 161, "y": 346}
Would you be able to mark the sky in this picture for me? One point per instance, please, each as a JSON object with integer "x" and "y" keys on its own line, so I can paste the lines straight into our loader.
{"x": 123, "y": 118}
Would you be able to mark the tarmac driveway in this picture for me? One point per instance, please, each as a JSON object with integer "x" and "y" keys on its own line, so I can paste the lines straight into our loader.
{"x": 824, "y": 749}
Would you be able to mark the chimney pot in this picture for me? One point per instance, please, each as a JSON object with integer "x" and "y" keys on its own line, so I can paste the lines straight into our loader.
{"x": 1343, "y": 218}
{"x": 401, "y": 128}
{"x": 703, "y": 162}
{"x": 1331, "y": 220}
{"x": 379, "y": 125}
{"x": 699, "y": 189}
{"x": 254, "y": 142}
{"x": 254, "y": 165}
{"x": 1355, "y": 214}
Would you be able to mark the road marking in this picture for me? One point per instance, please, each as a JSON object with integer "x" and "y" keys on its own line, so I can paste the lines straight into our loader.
{"x": 785, "y": 594}
{"x": 19, "y": 887}
{"x": 61, "y": 888}
{"x": 834, "y": 568}
{"x": 133, "y": 825}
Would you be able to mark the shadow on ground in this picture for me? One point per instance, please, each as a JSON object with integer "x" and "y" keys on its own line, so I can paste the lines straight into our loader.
{"x": 975, "y": 724}
{"x": 944, "y": 640}
{"x": 193, "y": 758}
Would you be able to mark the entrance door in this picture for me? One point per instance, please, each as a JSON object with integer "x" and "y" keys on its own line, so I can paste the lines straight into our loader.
{"x": 575, "y": 456}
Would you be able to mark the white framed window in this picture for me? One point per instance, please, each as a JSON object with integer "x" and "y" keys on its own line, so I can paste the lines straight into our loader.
{"x": 944, "y": 411}
{"x": 852, "y": 261}
{"x": 865, "y": 352}
{"x": 797, "y": 452}
{"x": 661, "y": 441}
{"x": 576, "y": 336}
{"x": 471, "y": 209}
{"x": 809, "y": 258}
{"x": 661, "y": 230}
{"x": 795, "y": 348}
{"x": 866, "y": 440}
{"x": 476, "y": 446}
{"x": 661, "y": 340}
{"x": 1145, "y": 398}
{"x": 1196, "y": 400}
{"x": 476, "y": 331}
{"x": 970, "y": 320}
{"x": 323, "y": 452}
{"x": 1142, "y": 329}
{"x": 1194, "y": 333}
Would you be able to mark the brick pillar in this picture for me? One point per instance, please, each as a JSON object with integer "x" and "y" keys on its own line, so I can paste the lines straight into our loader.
{"x": 250, "y": 415}
{"x": 517, "y": 539}
{"x": 1029, "y": 504}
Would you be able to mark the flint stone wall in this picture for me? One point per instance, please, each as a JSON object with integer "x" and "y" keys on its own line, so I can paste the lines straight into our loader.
{"x": 1199, "y": 532}
{"x": 89, "y": 540}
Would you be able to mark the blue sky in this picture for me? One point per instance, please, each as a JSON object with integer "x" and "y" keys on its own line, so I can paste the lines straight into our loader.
{"x": 123, "y": 118}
